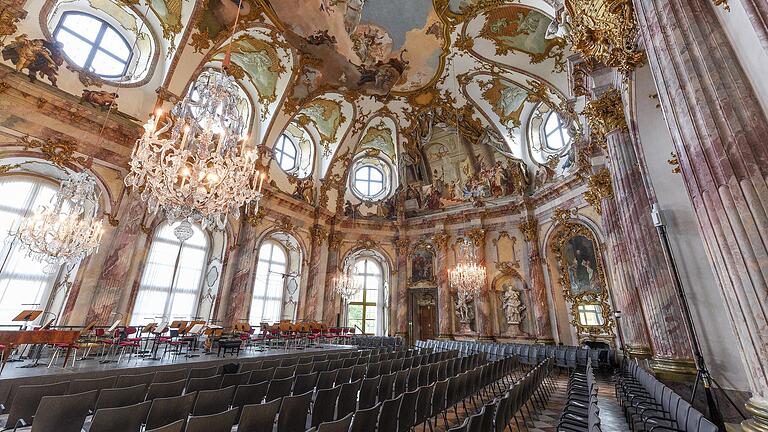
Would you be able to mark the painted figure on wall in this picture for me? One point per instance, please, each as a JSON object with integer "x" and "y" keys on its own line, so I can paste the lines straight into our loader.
{"x": 579, "y": 253}
{"x": 37, "y": 56}
{"x": 422, "y": 269}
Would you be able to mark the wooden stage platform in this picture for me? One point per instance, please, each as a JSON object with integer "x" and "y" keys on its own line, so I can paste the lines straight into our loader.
{"x": 14, "y": 374}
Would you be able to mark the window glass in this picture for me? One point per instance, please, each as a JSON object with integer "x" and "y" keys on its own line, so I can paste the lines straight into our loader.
{"x": 555, "y": 132}
{"x": 170, "y": 284}
{"x": 267, "y": 295}
{"x": 361, "y": 310}
{"x": 369, "y": 181}
{"x": 286, "y": 153}
{"x": 591, "y": 315}
{"x": 23, "y": 284}
{"x": 93, "y": 44}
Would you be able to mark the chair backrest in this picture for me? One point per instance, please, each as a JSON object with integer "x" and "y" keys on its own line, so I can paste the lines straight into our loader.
{"x": 463, "y": 427}
{"x": 279, "y": 388}
{"x": 251, "y": 366}
{"x": 358, "y": 371}
{"x": 476, "y": 421}
{"x": 344, "y": 375}
{"x": 220, "y": 422}
{"x": 165, "y": 390}
{"x": 209, "y": 383}
{"x": 387, "y": 421}
{"x": 284, "y": 372}
{"x": 84, "y": 385}
{"x": 365, "y": 420}
{"x": 270, "y": 363}
{"x": 259, "y": 417}
{"x": 27, "y": 398}
{"x": 424, "y": 403}
{"x": 294, "y": 412}
{"x": 341, "y": 425}
{"x": 386, "y": 385}
{"x": 369, "y": 391}
{"x": 406, "y": 416}
{"x": 235, "y": 379}
{"x": 249, "y": 394}
{"x": 326, "y": 379}
{"x": 348, "y": 398}
{"x": 121, "y": 419}
{"x": 176, "y": 426}
{"x": 304, "y": 368}
{"x": 289, "y": 361}
{"x": 170, "y": 375}
{"x": 324, "y": 407}
{"x": 213, "y": 401}
{"x": 65, "y": 413}
{"x": 262, "y": 375}
{"x": 322, "y": 366}
{"x": 133, "y": 380}
{"x": 202, "y": 372}
{"x": 119, "y": 397}
{"x": 305, "y": 383}
{"x": 165, "y": 411}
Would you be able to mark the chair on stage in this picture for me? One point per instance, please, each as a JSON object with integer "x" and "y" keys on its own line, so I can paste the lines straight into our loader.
{"x": 220, "y": 422}
{"x": 120, "y": 419}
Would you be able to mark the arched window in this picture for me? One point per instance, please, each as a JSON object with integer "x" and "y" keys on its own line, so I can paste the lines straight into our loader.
{"x": 362, "y": 310}
{"x": 556, "y": 135}
{"x": 368, "y": 181}
{"x": 268, "y": 285}
{"x": 23, "y": 283}
{"x": 286, "y": 153}
{"x": 172, "y": 278}
{"x": 93, "y": 44}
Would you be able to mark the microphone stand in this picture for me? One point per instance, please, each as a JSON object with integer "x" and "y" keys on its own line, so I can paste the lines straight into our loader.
{"x": 702, "y": 372}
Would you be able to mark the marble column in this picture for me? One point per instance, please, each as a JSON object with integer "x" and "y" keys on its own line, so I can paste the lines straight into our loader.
{"x": 757, "y": 12}
{"x": 669, "y": 334}
{"x": 117, "y": 265}
{"x": 483, "y": 316}
{"x": 632, "y": 322}
{"x": 402, "y": 247}
{"x": 719, "y": 131}
{"x": 313, "y": 287}
{"x": 441, "y": 241}
{"x": 237, "y": 301}
{"x": 538, "y": 285}
{"x": 331, "y": 301}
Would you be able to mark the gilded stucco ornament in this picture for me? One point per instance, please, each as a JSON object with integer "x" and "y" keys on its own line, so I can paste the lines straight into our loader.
{"x": 319, "y": 234}
{"x": 402, "y": 245}
{"x": 529, "y": 228}
{"x": 255, "y": 219}
{"x": 59, "y": 152}
{"x": 441, "y": 240}
{"x": 605, "y": 30}
{"x": 11, "y": 13}
{"x": 675, "y": 162}
{"x": 598, "y": 187}
{"x": 477, "y": 235}
{"x": 604, "y": 115}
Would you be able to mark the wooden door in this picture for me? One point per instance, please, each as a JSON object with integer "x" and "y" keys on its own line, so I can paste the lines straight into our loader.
{"x": 426, "y": 322}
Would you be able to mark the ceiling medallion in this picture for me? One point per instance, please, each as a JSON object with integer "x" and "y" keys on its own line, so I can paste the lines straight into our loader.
{"x": 605, "y": 30}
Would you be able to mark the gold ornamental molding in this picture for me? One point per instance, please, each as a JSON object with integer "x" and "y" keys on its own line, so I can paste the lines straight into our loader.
{"x": 604, "y": 115}
{"x": 402, "y": 246}
{"x": 606, "y": 31}
{"x": 599, "y": 186}
{"x": 441, "y": 240}
{"x": 477, "y": 235}
{"x": 319, "y": 234}
{"x": 11, "y": 13}
{"x": 530, "y": 229}
{"x": 57, "y": 151}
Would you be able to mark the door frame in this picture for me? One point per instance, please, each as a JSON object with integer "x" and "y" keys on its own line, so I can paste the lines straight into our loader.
{"x": 417, "y": 297}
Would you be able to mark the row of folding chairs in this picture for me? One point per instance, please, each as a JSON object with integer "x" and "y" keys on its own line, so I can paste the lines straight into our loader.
{"x": 581, "y": 413}
{"x": 650, "y": 405}
{"x": 376, "y": 341}
{"x": 566, "y": 357}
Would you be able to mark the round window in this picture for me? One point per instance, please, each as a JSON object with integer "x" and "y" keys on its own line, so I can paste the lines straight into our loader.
{"x": 286, "y": 153}
{"x": 93, "y": 44}
{"x": 368, "y": 181}
{"x": 556, "y": 135}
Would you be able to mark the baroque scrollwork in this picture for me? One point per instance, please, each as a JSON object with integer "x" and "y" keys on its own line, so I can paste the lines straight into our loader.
{"x": 605, "y": 114}
{"x": 598, "y": 187}
{"x": 59, "y": 152}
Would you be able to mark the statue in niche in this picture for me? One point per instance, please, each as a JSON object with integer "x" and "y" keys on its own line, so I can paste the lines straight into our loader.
{"x": 513, "y": 306}
{"x": 464, "y": 311}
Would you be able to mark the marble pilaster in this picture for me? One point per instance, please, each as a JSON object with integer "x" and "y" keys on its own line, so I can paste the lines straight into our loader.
{"x": 402, "y": 287}
{"x": 313, "y": 286}
{"x": 719, "y": 131}
{"x": 331, "y": 301}
{"x": 244, "y": 264}
{"x": 444, "y": 300}
{"x": 483, "y": 316}
{"x": 538, "y": 285}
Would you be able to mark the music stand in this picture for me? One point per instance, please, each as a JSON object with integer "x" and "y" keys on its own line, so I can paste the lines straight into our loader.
{"x": 158, "y": 331}
{"x": 25, "y": 317}
{"x": 111, "y": 332}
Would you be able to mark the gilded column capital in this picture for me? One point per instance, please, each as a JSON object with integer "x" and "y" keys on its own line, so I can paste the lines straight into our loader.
{"x": 530, "y": 229}
{"x": 401, "y": 245}
{"x": 599, "y": 186}
{"x": 441, "y": 240}
{"x": 319, "y": 234}
{"x": 335, "y": 239}
{"x": 477, "y": 235}
{"x": 604, "y": 115}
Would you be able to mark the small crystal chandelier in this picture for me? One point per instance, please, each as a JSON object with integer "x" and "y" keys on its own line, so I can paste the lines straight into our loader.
{"x": 347, "y": 285}
{"x": 468, "y": 277}
{"x": 198, "y": 166}
{"x": 67, "y": 231}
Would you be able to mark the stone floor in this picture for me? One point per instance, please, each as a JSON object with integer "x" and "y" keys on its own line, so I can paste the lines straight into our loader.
{"x": 611, "y": 417}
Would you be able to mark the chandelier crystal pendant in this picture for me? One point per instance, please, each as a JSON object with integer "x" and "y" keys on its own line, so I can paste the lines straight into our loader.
{"x": 468, "y": 277}
{"x": 69, "y": 229}
{"x": 198, "y": 166}
{"x": 347, "y": 285}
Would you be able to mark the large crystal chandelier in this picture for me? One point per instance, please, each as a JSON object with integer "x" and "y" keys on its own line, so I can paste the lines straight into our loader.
{"x": 69, "y": 229}
{"x": 468, "y": 277}
{"x": 348, "y": 284}
{"x": 197, "y": 166}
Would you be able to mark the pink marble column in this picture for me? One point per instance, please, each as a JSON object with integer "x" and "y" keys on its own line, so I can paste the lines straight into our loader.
{"x": 623, "y": 291}
{"x": 719, "y": 131}
{"x": 669, "y": 335}
{"x": 238, "y": 300}
{"x": 332, "y": 302}
{"x": 113, "y": 278}
{"x": 313, "y": 288}
{"x": 483, "y": 316}
{"x": 401, "y": 245}
{"x": 444, "y": 298}
{"x": 757, "y": 11}
{"x": 539, "y": 307}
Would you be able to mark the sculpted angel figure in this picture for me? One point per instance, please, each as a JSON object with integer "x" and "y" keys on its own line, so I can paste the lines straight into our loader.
{"x": 513, "y": 305}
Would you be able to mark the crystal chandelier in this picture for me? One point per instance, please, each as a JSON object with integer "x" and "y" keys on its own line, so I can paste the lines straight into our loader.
{"x": 347, "y": 285}
{"x": 197, "y": 166}
{"x": 67, "y": 231}
{"x": 468, "y": 277}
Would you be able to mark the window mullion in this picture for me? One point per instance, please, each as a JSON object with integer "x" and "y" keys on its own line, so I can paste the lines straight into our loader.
{"x": 95, "y": 47}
